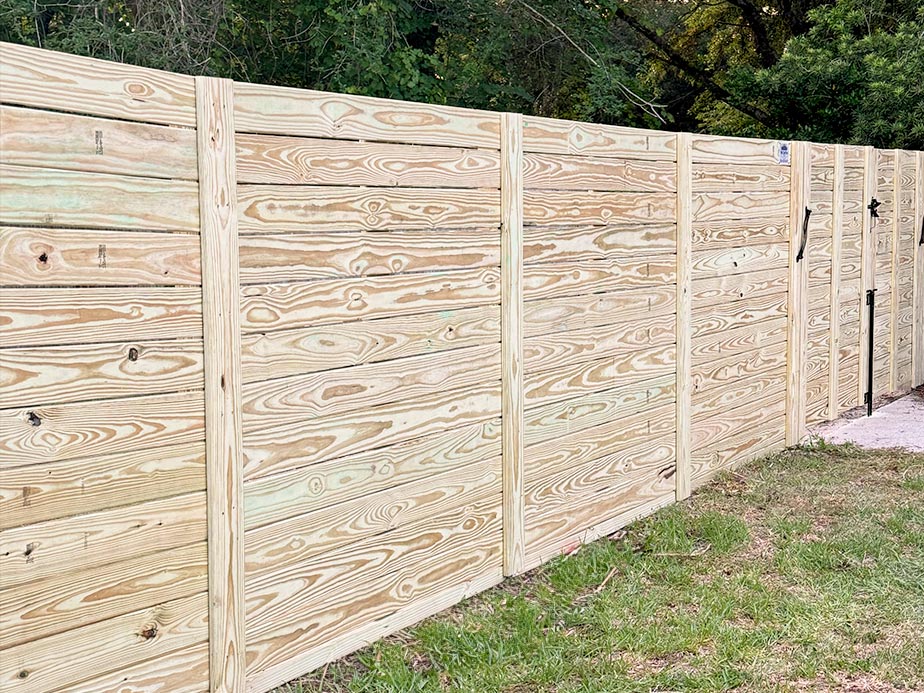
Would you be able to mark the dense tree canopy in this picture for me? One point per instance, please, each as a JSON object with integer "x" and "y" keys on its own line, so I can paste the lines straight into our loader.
{"x": 846, "y": 71}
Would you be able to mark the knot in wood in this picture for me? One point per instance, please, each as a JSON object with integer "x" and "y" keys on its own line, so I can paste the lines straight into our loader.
{"x": 149, "y": 632}
{"x": 133, "y": 354}
{"x": 34, "y": 418}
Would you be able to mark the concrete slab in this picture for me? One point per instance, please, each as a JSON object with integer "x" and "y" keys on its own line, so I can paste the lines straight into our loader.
{"x": 896, "y": 425}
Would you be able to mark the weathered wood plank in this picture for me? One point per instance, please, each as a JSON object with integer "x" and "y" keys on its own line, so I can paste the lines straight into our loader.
{"x": 82, "y": 257}
{"x": 37, "y": 492}
{"x": 271, "y": 448}
{"x": 312, "y": 349}
{"x": 591, "y": 139}
{"x": 31, "y": 377}
{"x": 569, "y": 207}
{"x": 311, "y": 161}
{"x": 47, "y": 197}
{"x": 562, "y": 244}
{"x": 46, "y": 79}
{"x": 65, "y": 431}
{"x": 305, "y": 489}
{"x": 581, "y": 312}
{"x": 356, "y": 388}
{"x": 261, "y": 108}
{"x": 276, "y": 258}
{"x": 285, "y": 306}
{"x": 563, "y": 172}
{"x": 715, "y": 207}
{"x": 737, "y": 177}
{"x": 44, "y": 550}
{"x": 104, "y": 647}
{"x": 318, "y": 209}
{"x": 50, "y": 140}
{"x": 549, "y": 280}
{"x": 69, "y": 600}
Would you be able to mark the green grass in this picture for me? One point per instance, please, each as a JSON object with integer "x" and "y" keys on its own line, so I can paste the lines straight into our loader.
{"x": 804, "y": 572}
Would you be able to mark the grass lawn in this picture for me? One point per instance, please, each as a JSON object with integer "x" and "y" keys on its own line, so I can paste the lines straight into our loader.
{"x": 804, "y": 572}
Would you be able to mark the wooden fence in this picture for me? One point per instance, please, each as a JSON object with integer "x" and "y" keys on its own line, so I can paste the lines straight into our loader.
{"x": 284, "y": 371}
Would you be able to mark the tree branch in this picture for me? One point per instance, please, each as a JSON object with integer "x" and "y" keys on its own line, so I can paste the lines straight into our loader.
{"x": 754, "y": 19}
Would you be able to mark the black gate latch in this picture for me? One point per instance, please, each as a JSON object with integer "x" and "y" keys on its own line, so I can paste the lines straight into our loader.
{"x": 805, "y": 223}
{"x": 921, "y": 242}
{"x": 873, "y": 207}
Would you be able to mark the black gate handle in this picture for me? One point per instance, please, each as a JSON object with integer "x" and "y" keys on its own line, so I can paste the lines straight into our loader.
{"x": 921, "y": 242}
{"x": 873, "y": 206}
{"x": 805, "y": 222}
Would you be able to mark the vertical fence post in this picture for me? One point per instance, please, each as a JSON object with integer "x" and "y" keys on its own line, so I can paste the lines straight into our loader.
{"x": 684, "y": 313}
{"x": 222, "y": 339}
{"x": 917, "y": 320}
{"x": 867, "y": 264}
{"x": 894, "y": 292}
{"x": 798, "y": 288}
{"x": 834, "y": 338}
{"x": 512, "y": 339}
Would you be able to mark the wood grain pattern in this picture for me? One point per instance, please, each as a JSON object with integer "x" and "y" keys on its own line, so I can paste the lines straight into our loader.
{"x": 285, "y": 306}
{"x": 581, "y": 312}
{"x": 595, "y": 276}
{"x": 739, "y": 177}
{"x": 562, "y": 172}
{"x": 81, "y": 257}
{"x": 355, "y": 388}
{"x": 46, "y": 79}
{"x": 65, "y": 431}
{"x": 763, "y": 414}
{"x": 798, "y": 287}
{"x": 37, "y": 492}
{"x": 740, "y": 393}
{"x": 47, "y": 197}
{"x": 738, "y": 340}
{"x": 718, "y": 373}
{"x": 31, "y": 376}
{"x": 735, "y": 150}
{"x": 750, "y": 310}
{"x": 306, "y": 489}
{"x": 917, "y": 366}
{"x": 46, "y": 139}
{"x": 560, "y": 244}
{"x": 719, "y": 235}
{"x": 272, "y": 258}
{"x": 104, "y": 647}
{"x": 286, "y": 208}
{"x": 750, "y": 259}
{"x": 683, "y": 326}
{"x": 312, "y": 161}
{"x": 591, "y": 139}
{"x": 567, "y": 207}
{"x": 717, "y": 207}
{"x": 43, "y": 550}
{"x": 838, "y": 183}
{"x": 221, "y": 311}
{"x": 312, "y": 349}
{"x": 735, "y": 451}
{"x": 285, "y": 111}
{"x": 734, "y": 287}
{"x": 272, "y": 448}
{"x": 62, "y": 603}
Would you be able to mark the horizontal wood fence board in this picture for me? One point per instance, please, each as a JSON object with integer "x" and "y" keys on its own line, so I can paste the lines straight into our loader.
{"x": 729, "y": 370}
{"x": 104, "y": 647}
{"x": 47, "y": 197}
{"x": 46, "y": 139}
{"x": 271, "y": 448}
{"x": 733, "y": 452}
{"x": 724, "y": 235}
{"x": 50, "y": 433}
{"x": 356, "y": 388}
{"x": 749, "y": 259}
{"x": 270, "y": 550}
{"x": 595, "y": 242}
{"x": 288, "y": 208}
{"x": 42, "y": 550}
{"x": 36, "y": 492}
{"x": 286, "y": 111}
{"x": 564, "y": 172}
{"x": 305, "y": 489}
{"x": 597, "y": 276}
{"x": 557, "y": 349}
{"x": 62, "y": 82}
{"x": 764, "y": 412}
{"x": 312, "y": 161}
{"x": 750, "y": 310}
{"x": 71, "y": 600}
{"x": 272, "y": 258}
{"x": 713, "y": 291}
{"x": 33, "y": 376}
{"x": 569, "y": 207}
{"x": 736, "y": 151}
{"x": 285, "y": 306}
{"x": 553, "y": 420}
{"x": 312, "y": 349}
{"x": 735, "y": 394}
{"x": 716, "y": 207}
{"x": 739, "y": 178}
{"x": 738, "y": 340}
{"x": 83, "y": 257}
{"x": 591, "y": 139}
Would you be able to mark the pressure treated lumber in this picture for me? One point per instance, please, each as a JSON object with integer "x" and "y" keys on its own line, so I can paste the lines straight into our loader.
{"x": 591, "y": 139}
{"x": 221, "y": 312}
{"x": 798, "y": 286}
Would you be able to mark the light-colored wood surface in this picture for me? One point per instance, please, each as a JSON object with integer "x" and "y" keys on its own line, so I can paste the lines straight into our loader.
{"x": 918, "y": 309}
{"x": 736, "y": 151}
{"x": 221, "y": 312}
{"x": 58, "y": 81}
{"x": 834, "y": 346}
{"x": 569, "y": 207}
{"x": 562, "y": 172}
{"x": 798, "y": 287}
{"x": 600, "y": 242}
{"x": 591, "y": 139}
{"x": 512, "y": 295}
